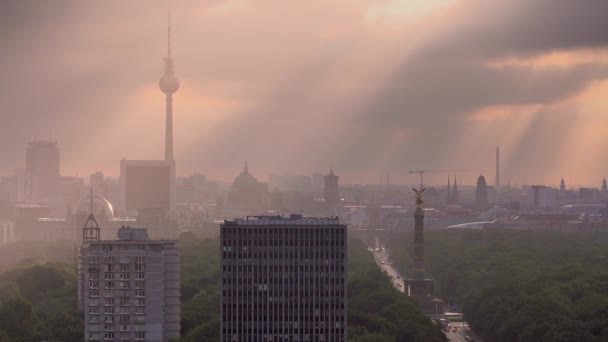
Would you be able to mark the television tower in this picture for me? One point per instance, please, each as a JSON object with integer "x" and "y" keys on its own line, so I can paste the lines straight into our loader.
{"x": 169, "y": 85}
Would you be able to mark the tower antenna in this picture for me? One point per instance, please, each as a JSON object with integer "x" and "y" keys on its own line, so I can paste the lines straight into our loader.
{"x": 169, "y": 32}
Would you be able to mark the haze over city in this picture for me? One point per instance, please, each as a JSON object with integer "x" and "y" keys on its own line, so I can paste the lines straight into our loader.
{"x": 368, "y": 87}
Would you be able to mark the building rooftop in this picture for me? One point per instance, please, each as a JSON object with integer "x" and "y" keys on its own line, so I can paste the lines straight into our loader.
{"x": 293, "y": 219}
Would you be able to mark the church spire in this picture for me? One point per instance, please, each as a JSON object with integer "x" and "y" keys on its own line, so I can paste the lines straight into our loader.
{"x": 90, "y": 230}
{"x": 449, "y": 197}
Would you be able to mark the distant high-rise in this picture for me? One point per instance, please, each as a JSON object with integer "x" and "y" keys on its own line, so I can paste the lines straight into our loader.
{"x": 497, "y": 168}
{"x": 283, "y": 279}
{"x": 130, "y": 288}
{"x": 481, "y": 193}
{"x": 562, "y": 185}
{"x": 604, "y": 185}
{"x": 42, "y": 161}
{"x": 331, "y": 192}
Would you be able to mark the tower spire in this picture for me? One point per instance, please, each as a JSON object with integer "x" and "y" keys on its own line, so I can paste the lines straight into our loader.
{"x": 169, "y": 85}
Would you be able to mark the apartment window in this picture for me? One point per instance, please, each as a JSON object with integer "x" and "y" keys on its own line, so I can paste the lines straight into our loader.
{"x": 124, "y": 301}
{"x": 93, "y": 309}
{"x": 139, "y": 276}
{"x": 108, "y": 335}
{"x": 109, "y": 284}
{"x": 124, "y": 319}
{"x": 108, "y": 310}
{"x": 124, "y": 267}
{"x": 109, "y": 301}
{"x": 108, "y": 319}
{"x": 139, "y": 310}
{"x": 140, "y": 335}
{"x": 140, "y": 268}
{"x": 140, "y": 293}
{"x": 109, "y": 259}
{"x": 140, "y": 260}
{"x": 139, "y": 284}
{"x": 140, "y": 301}
{"x": 124, "y": 276}
{"x": 108, "y": 327}
{"x": 93, "y": 284}
{"x": 94, "y": 293}
{"x": 93, "y": 260}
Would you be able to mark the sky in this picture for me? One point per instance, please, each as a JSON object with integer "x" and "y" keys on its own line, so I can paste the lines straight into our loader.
{"x": 368, "y": 87}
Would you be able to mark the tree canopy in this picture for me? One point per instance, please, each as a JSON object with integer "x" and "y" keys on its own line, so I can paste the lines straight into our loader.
{"x": 519, "y": 285}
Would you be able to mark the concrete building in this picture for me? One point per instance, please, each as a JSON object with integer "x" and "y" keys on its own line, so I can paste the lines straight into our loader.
{"x": 7, "y": 232}
{"x": 283, "y": 279}
{"x": 129, "y": 289}
{"x": 540, "y": 196}
{"x": 42, "y": 160}
{"x": 331, "y": 192}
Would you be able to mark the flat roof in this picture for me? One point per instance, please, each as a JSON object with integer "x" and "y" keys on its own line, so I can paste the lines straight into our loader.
{"x": 278, "y": 220}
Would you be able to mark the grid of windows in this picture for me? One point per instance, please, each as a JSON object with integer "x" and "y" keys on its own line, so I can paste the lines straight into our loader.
{"x": 115, "y": 281}
{"x": 283, "y": 282}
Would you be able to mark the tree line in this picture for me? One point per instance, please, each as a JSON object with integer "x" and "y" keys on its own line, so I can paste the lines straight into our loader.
{"x": 519, "y": 285}
{"x": 39, "y": 302}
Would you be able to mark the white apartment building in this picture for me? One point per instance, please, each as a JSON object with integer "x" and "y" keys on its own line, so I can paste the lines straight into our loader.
{"x": 129, "y": 289}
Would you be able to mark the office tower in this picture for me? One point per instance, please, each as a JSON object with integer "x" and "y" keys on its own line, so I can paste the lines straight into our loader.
{"x": 419, "y": 287}
{"x": 332, "y": 197}
{"x": 147, "y": 184}
{"x": 497, "y": 168}
{"x": 604, "y": 185}
{"x": 129, "y": 289}
{"x": 42, "y": 161}
{"x": 283, "y": 279}
{"x": 481, "y": 193}
{"x": 97, "y": 182}
{"x": 562, "y": 185}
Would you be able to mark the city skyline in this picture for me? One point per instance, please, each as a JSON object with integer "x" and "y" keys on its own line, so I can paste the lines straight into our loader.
{"x": 515, "y": 90}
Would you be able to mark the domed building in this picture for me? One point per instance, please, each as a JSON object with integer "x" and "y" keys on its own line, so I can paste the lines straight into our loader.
{"x": 102, "y": 208}
{"x": 246, "y": 190}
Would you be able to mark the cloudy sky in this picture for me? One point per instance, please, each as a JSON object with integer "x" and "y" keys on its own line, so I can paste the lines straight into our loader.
{"x": 368, "y": 86}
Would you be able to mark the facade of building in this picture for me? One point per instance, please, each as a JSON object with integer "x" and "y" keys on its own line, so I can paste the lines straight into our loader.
{"x": 283, "y": 279}
{"x": 129, "y": 289}
{"x": 42, "y": 160}
{"x": 331, "y": 192}
{"x": 542, "y": 196}
{"x": 7, "y": 232}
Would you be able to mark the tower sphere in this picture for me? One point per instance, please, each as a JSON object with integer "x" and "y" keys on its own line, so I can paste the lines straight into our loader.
{"x": 168, "y": 84}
